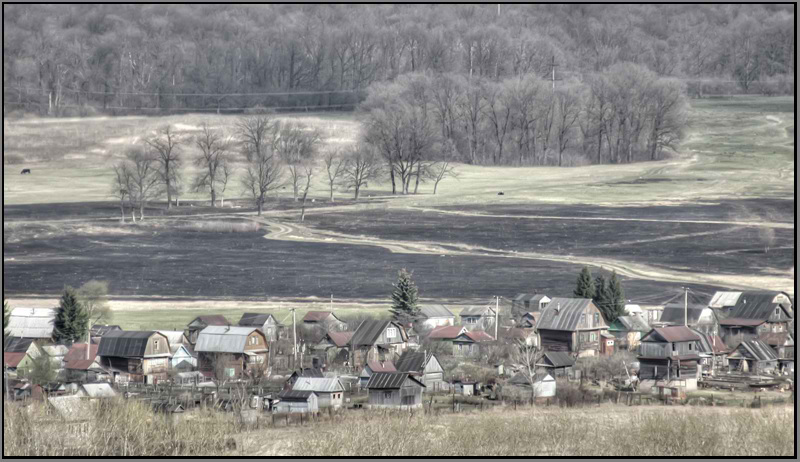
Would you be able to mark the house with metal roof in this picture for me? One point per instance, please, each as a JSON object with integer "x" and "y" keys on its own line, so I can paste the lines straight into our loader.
{"x": 446, "y": 332}
{"x": 556, "y": 363}
{"x": 695, "y": 315}
{"x": 372, "y": 367}
{"x": 82, "y": 365}
{"x": 326, "y": 320}
{"x": 35, "y": 323}
{"x": 334, "y": 348}
{"x": 436, "y": 315}
{"x": 377, "y": 340}
{"x": 18, "y": 353}
{"x": 97, "y": 331}
{"x": 272, "y": 329}
{"x": 573, "y": 325}
{"x": 96, "y": 390}
{"x": 713, "y": 352}
{"x": 309, "y": 372}
{"x": 137, "y": 356}
{"x": 628, "y": 331}
{"x": 201, "y": 322}
{"x": 783, "y": 344}
{"x": 330, "y": 391}
{"x": 400, "y": 390}
{"x": 528, "y": 303}
{"x": 669, "y": 357}
{"x": 756, "y": 313}
{"x": 423, "y": 365}
{"x": 754, "y": 357}
{"x": 231, "y": 352}
{"x": 478, "y": 317}
{"x": 296, "y": 401}
{"x": 470, "y": 343}
{"x": 542, "y": 387}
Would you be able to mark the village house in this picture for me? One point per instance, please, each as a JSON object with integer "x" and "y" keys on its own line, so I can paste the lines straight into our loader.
{"x": 478, "y": 317}
{"x": 529, "y": 319}
{"x": 469, "y": 344}
{"x": 628, "y": 331}
{"x": 80, "y": 366}
{"x": 572, "y": 325}
{"x": 56, "y": 354}
{"x": 272, "y": 329}
{"x": 330, "y": 391}
{"x": 372, "y": 367}
{"x": 32, "y": 323}
{"x": 394, "y": 390}
{"x": 528, "y": 303}
{"x": 325, "y": 320}
{"x": 754, "y": 314}
{"x": 201, "y": 322}
{"x": 753, "y": 357}
{"x": 669, "y": 358}
{"x": 713, "y": 352}
{"x": 543, "y": 386}
{"x": 232, "y": 352}
{"x": 97, "y": 331}
{"x": 783, "y": 344}
{"x": 556, "y": 363}
{"x": 432, "y": 316}
{"x": 424, "y": 366}
{"x": 311, "y": 372}
{"x": 18, "y": 353}
{"x": 333, "y": 348}
{"x": 694, "y": 315}
{"x": 136, "y": 356}
{"x": 296, "y": 401}
{"x": 378, "y": 341}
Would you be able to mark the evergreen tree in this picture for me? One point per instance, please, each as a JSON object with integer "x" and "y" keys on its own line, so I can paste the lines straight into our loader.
{"x": 6, "y": 317}
{"x": 615, "y": 298}
{"x": 72, "y": 321}
{"x": 600, "y": 298}
{"x": 40, "y": 371}
{"x": 585, "y": 287}
{"x": 404, "y": 298}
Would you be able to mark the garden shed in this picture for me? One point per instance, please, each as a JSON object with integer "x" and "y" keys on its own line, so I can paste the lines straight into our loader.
{"x": 394, "y": 389}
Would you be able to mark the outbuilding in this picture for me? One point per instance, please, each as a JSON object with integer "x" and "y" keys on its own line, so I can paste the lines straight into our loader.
{"x": 330, "y": 391}
{"x": 296, "y": 401}
{"x": 394, "y": 390}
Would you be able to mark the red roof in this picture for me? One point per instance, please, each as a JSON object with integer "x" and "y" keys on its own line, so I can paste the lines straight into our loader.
{"x": 742, "y": 322}
{"x": 340, "y": 339}
{"x": 76, "y": 356}
{"x": 677, "y": 333}
{"x": 775, "y": 338}
{"x": 13, "y": 359}
{"x": 316, "y": 316}
{"x": 446, "y": 332}
{"x": 385, "y": 366}
{"x": 480, "y": 336}
{"x": 718, "y": 344}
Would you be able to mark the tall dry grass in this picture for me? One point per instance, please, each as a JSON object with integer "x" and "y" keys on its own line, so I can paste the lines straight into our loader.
{"x": 603, "y": 431}
{"x": 223, "y": 226}
{"x": 117, "y": 428}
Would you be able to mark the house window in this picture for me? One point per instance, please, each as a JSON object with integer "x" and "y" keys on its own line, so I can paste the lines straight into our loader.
{"x": 254, "y": 340}
{"x": 691, "y": 346}
{"x": 583, "y": 319}
{"x": 387, "y": 395}
{"x": 391, "y": 332}
{"x": 155, "y": 344}
{"x": 592, "y": 337}
{"x": 230, "y": 372}
{"x": 674, "y": 347}
{"x": 596, "y": 319}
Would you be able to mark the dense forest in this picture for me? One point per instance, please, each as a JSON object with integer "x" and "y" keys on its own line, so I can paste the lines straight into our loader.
{"x": 522, "y": 84}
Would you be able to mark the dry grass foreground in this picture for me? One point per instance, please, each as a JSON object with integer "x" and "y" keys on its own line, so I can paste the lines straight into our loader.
{"x": 122, "y": 428}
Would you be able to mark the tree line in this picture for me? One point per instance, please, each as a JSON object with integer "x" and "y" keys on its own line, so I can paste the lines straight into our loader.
{"x": 59, "y": 59}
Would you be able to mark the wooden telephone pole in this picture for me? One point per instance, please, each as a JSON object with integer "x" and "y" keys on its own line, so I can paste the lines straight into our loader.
{"x": 553, "y": 72}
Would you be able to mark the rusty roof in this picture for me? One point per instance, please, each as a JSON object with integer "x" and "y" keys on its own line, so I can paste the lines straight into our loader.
{"x": 340, "y": 339}
{"x": 479, "y": 336}
{"x": 211, "y": 320}
{"x": 76, "y": 356}
{"x": 391, "y": 380}
{"x": 671, "y": 334}
{"x": 446, "y": 332}
{"x": 16, "y": 344}
{"x": 13, "y": 359}
{"x": 381, "y": 366}
{"x": 742, "y": 322}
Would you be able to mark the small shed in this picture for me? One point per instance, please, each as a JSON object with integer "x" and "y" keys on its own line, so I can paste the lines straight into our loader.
{"x": 330, "y": 391}
{"x": 557, "y": 363}
{"x": 544, "y": 385}
{"x": 606, "y": 344}
{"x": 296, "y": 401}
{"x": 424, "y": 366}
{"x": 753, "y": 356}
{"x": 436, "y": 315}
{"x": 394, "y": 390}
{"x": 182, "y": 357}
{"x": 466, "y": 387}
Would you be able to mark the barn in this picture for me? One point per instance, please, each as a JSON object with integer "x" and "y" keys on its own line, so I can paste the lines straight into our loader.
{"x": 753, "y": 356}
{"x": 394, "y": 389}
{"x": 424, "y": 366}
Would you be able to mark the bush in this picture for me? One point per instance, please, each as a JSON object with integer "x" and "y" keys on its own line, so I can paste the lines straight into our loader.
{"x": 223, "y": 227}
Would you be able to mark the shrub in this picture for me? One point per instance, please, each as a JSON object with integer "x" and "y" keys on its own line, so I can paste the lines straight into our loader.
{"x": 223, "y": 227}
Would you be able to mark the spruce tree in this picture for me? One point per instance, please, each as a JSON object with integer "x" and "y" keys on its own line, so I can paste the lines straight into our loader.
{"x": 404, "y": 298}
{"x": 615, "y": 298}
{"x": 585, "y": 287}
{"x": 72, "y": 321}
{"x": 6, "y": 318}
{"x": 601, "y": 294}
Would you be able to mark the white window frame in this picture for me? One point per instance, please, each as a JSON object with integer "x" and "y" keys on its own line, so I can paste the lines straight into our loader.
{"x": 391, "y": 332}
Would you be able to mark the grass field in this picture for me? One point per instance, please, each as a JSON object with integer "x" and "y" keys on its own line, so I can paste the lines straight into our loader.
{"x": 719, "y": 214}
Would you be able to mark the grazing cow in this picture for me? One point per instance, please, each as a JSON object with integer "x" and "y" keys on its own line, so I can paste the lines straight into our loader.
{"x": 501, "y": 193}
{"x": 25, "y": 171}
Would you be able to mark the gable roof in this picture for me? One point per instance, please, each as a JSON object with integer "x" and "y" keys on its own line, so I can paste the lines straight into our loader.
{"x": 777, "y": 339}
{"x": 124, "y": 343}
{"x": 724, "y": 298}
{"x": 211, "y": 320}
{"x": 711, "y": 343}
{"x": 31, "y": 322}
{"x": 477, "y": 311}
{"x": 309, "y": 372}
{"x": 224, "y": 339}
{"x": 563, "y": 313}
{"x": 754, "y": 305}
{"x": 369, "y": 331}
{"x": 558, "y": 359}
{"x": 16, "y": 344}
{"x": 391, "y": 380}
{"x": 340, "y": 339}
{"x": 671, "y": 334}
{"x": 436, "y": 311}
{"x": 256, "y": 319}
{"x": 99, "y": 330}
{"x": 521, "y": 378}
{"x": 758, "y": 349}
{"x": 295, "y": 395}
{"x": 319, "y": 316}
{"x": 98, "y": 390}
{"x": 12, "y": 360}
{"x": 630, "y": 324}
{"x": 675, "y": 313}
{"x": 479, "y": 336}
{"x": 446, "y": 332}
{"x": 413, "y": 361}
{"x": 318, "y": 384}
{"x": 381, "y": 366}
{"x": 173, "y": 336}
{"x": 76, "y": 356}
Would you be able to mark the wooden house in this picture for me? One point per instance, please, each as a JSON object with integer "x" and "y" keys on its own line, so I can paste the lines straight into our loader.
{"x": 755, "y": 314}
{"x": 32, "y": 323}
{"x": 326, "y": 320}
{"x": 556, "y": 363}
{"x": 296, "y": 401}
{"x": 783, "y": 344}
{"x": 18, "y": 353}
{"x": 144, "y": 355}
{"x": 478, "y": 317}
{"x": 572, "y": 325}
{"x": 471, "y": 344}
{"x": 424, "y": 366}
{"x": 232, "y": 352}
{"x": 528, "y": 303}
{"x": 80, "y": 366}
{"x": 697, "y": 316}
{"x": 372, "y": 367}
{"x": 272, "y": 329}
{"x": 529, "y": 319}
{"x": 753, "y": 357}
{"x": 432, "y": 316}
{"x": 394, "y": 390}
{"x": 334, "y": 348}
{"x": 377, "y": 340}
{"x": 628, "y": 331}
{"x": 465, "y": 387}
{"x": 329, "y": 390}
{"x": 669, "y": 357}
{"x": 201, "y": 322}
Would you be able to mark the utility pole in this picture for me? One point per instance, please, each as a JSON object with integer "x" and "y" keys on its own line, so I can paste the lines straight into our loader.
{"x": 498, "y": 10}
{"x": 553, "y": 67}
{"x": 496, "y": 313}
{"x": 331, "y": 302}
{"x": 686, "y": 306}
{"x": 294, "y": 324}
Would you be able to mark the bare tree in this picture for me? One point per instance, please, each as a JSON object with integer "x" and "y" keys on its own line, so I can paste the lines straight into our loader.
{"x": 334, "y": 165}
{"x": 166, "y": 144}
{"x": 213, "y": 161}
{"x": 528, "y": 356}
{"x": 263, "y": 170}
{"x": 140, "y": 171}
{"x": 119, "y": 188}
{"x": 568, "y": 109}
{"x": 442, "y": 167}
{"x": 362, "y": 165}
{"x": 298, "y": 146}
{"x": 767, "y": 236}
{"x": 93, "y": 295}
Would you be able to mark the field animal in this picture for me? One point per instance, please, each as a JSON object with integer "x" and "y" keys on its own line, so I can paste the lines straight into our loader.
{"x": 25, "y": 171}
{"x": 501, "y": 193}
